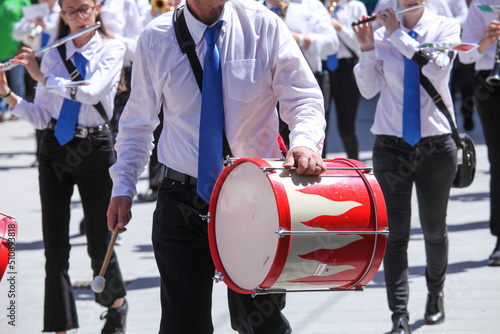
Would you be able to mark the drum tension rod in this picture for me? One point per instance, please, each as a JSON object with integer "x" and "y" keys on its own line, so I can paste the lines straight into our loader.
{"x": 283, "y": 232}
{"x": 258, "y": 291}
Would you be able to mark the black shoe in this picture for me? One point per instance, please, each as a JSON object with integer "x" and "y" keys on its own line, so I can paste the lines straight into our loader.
{"x": 149, "y": 196}
{"x": 115, "y": 319}
{"x": 434, "y": 311}
{"x": 401, "y": 326}
{"x": 494, "y": 259}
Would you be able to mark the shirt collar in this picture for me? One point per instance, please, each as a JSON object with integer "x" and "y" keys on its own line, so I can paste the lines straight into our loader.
{"x": 422, "y": 25}
{"x": 197, "y": 28}
{"x": 88, "y": 50}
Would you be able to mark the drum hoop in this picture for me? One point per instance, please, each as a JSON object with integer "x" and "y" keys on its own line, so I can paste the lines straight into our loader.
{"x": 285, "y": 221}
{"x": 283, "y": 243}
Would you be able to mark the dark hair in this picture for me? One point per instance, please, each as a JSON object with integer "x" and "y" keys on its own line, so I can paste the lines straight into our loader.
{"x": 63, "y": 28}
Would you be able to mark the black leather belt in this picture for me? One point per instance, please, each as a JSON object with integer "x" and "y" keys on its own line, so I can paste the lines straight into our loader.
{"x": 181, "y": 177}
{"x": 81, "y": 131}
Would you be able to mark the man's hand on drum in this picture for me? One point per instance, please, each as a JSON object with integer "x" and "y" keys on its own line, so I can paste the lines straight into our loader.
{"x": 305, "y": 160}
{"x": 119, "y": 213}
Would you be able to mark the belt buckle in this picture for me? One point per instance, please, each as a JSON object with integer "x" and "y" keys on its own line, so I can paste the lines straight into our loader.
{"x": 81, "y": 132}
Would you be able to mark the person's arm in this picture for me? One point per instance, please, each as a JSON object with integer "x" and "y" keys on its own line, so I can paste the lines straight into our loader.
{"x": 301, "y": 103}
{"x": 134, "y": 142}
{"x": 368, "y": 72}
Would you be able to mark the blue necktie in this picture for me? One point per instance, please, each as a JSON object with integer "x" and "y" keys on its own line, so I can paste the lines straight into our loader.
{"x": 411, "y": 101}
{"x": 211, "y": 119}
{"x": 332, "y": 62}
{"x": 68, "y": 117}
{"x": 276, "y": 9}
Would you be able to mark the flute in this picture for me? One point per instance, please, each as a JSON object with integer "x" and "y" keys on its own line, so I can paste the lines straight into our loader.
{"x": 8, "y": 65}
{"x": 374, "y": 16}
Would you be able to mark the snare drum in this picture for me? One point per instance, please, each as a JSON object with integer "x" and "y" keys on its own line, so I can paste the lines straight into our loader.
{"x": 271, "y": 230}
{"x": 8, "y": 233}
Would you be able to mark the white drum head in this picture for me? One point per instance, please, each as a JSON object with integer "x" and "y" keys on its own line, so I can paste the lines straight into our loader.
{"x": 245, "y": 225}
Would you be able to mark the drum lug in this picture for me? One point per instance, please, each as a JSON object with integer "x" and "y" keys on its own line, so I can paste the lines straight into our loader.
{"x": 228, "y": 161}
{"x": 385, "y": 232}
{"x": 218, "y": 277}
{"x": 206, "y": 217}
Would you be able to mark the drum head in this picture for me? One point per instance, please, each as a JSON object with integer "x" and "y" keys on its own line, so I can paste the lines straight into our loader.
{"x": 246, "y": 219}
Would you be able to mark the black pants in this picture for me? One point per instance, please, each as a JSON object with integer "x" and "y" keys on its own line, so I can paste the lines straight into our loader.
{"x": 488, "y": 102}
{"x": 345, "y": 92}
{"x": 182, "y": 253}
{"x": 431, "y": 166}
{"x": 84, "y": 162}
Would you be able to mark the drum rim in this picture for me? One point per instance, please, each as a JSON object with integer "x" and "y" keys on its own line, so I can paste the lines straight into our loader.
{"x": 283, "y": 243}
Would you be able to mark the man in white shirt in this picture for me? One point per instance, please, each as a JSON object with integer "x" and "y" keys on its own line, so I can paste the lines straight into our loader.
{"x": 261, "y": 63}
{"x": 483, "y": 28}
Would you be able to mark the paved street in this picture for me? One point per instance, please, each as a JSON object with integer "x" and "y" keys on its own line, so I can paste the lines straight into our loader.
{"x": 472, "y": 291}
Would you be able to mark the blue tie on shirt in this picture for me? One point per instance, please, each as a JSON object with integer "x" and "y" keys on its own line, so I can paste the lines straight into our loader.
{"x": 211, "y": 119}
{"x": 411, "y": 101}
{"x": 68, "y": 117}
{"x": 276, "y": 9}
{"x": 332, "y": 62}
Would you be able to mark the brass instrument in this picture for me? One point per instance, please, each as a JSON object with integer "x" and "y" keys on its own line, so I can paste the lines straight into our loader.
{"x": 494, "y": 78}
{"x": 8, "y": 65}
{"x": 33, "y": 39}
{"x": 332, "y": 6}
{"x": 162, "y": 6}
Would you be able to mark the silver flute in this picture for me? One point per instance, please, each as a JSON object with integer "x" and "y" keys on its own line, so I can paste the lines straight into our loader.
{"x": 8, "y": 65}
{"x": 374, "y": 16}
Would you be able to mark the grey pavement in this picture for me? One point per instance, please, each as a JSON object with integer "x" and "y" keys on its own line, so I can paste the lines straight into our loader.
{"x": 472, "y": 291}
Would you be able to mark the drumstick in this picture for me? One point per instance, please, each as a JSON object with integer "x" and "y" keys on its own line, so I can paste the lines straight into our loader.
{"x": 374, "y": 16}
{"x": 99, "y": 281}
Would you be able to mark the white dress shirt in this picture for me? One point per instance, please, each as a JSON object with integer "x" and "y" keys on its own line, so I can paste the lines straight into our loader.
{"x": 105, "y": 61}
{"x": 310, "y": 18}
{"x": 382, "y": 71}
{"x": 473, "y": 32}
{"x": 123, "y": 19}
{"x": 347, "y": 12}
{"x": 261, "y": 64}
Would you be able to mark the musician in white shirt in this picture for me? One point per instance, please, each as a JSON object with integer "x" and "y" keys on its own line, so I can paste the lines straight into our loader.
{"x": 430, "y": 163}
{"x": 261, "y": 64}
{"x": 483, "y": 28}
{"x": 81, "y": 156}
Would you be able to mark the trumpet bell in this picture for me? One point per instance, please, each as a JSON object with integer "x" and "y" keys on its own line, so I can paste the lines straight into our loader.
{"x": 494, "y": 78}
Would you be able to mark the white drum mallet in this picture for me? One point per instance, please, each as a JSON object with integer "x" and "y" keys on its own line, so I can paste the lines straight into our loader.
{"x": 99, "y": 281}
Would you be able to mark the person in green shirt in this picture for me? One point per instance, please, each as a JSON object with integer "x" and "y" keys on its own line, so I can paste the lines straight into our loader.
{"x": 10, "y": 13}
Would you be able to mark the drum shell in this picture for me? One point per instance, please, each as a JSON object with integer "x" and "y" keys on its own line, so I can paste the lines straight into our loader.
{"x": 340, "y": 200}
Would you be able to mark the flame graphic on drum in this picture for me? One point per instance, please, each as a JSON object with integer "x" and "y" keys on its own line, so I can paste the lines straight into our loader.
{"x": 336, "y": 213}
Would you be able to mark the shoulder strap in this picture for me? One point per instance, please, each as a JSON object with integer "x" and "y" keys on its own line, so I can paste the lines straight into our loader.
{"x": 187, "y": 45}
{"x": 438, "y": 101}
{"x": 421, "y": 59}
{"x": 76, "y": 76}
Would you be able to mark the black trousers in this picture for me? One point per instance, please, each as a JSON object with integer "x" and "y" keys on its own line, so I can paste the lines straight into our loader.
{"x": 431, "y": 166}
{"x": 488, "y": 102}
{"x": 345, "y": 94}
{"x": 182, "y": 253}
{"x": 84, "y": 162}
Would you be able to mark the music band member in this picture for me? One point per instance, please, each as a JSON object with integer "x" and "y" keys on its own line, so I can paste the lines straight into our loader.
{"x": 77, "y": 149}
{"x": 483, "y": 28}
{"x": 257, "y": 63}
{"x": 413, "y": 146}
